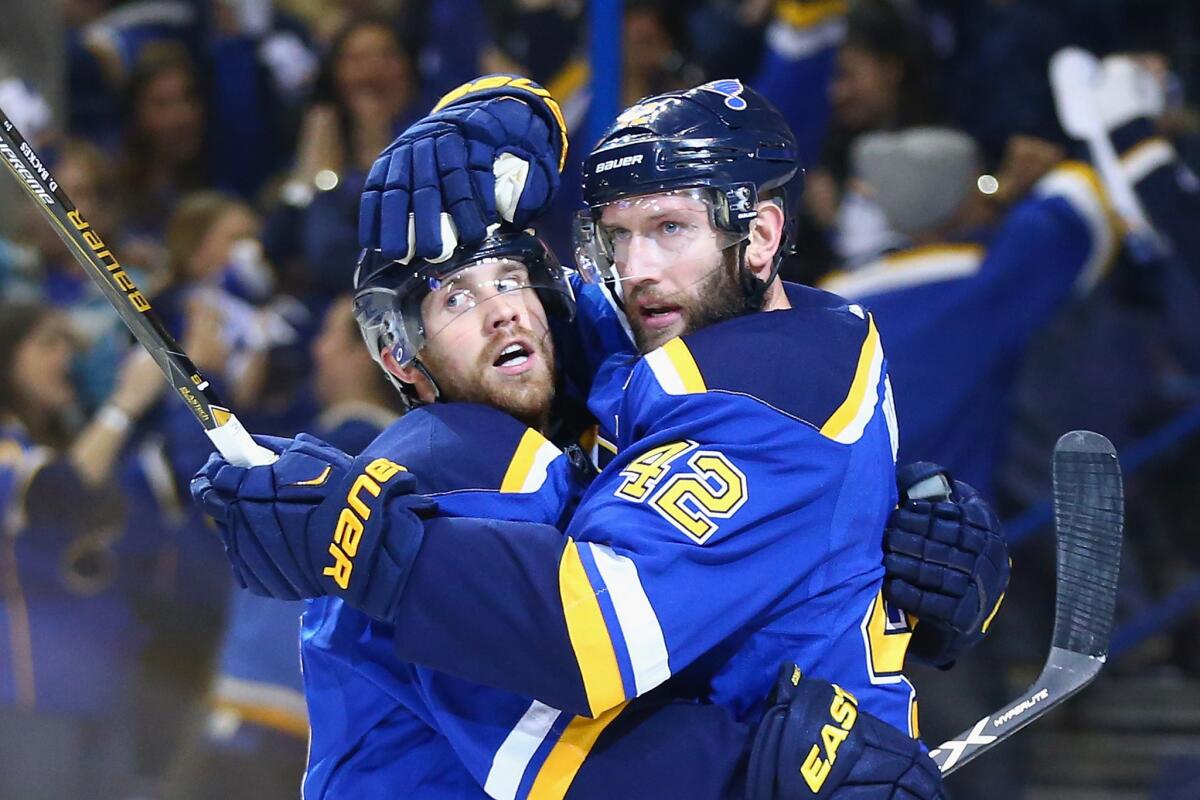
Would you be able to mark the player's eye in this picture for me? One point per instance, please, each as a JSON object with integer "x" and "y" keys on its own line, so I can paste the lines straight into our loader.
{"x": 510, "y": 283}
{"x": 458, "y": 299}
{"x": 618, "y": 235}
{"x": 671, "y": 227}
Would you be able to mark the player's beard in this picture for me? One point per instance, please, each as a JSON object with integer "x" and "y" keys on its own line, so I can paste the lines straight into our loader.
{"x": 716, "y": 297}
{"x": 527, "y": 396}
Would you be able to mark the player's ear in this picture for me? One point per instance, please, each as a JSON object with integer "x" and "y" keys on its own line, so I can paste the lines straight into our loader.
{"x": 766, "y": 236}
{"x": 411, "y": 375}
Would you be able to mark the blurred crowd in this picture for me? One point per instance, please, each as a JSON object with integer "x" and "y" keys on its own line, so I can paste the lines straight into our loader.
{"x": 219, "y": 147}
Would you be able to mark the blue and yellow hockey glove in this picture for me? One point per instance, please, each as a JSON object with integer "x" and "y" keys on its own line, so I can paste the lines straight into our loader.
{"x": 814, "y": 742}
{"x": 946, "y": 562}
{"x": 491, "y": 150}
{"x": 311, "y": 524}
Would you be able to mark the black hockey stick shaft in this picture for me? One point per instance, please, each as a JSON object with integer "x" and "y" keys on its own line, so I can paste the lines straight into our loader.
{"x": 1089, "y": 514}
{"x": 103, "y": 267}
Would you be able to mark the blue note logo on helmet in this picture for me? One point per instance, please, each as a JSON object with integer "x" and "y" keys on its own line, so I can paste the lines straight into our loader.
{"x": 731, "y": 89}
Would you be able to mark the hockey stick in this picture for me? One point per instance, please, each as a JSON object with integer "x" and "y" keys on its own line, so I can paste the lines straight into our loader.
{"x": 102, "y": 266}
{"x": 1088, "y": 515}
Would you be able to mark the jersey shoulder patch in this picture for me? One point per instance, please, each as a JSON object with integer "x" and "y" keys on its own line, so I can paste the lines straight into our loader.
{"x": 452, "y": 447}
{"x": 820, "y": 362}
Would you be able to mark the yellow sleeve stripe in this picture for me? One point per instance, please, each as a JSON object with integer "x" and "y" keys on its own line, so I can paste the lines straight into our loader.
{"x": 268, "y": 717}
{"x": 589, "y": 635}
{"x": 915, "y": 267}
{"x": 807, "y": 14}
{"x": 675, "y": 369}
{"x": 1079, "y": 184}
{"x": 848, "y": 422}
{"x": 914, "y": 716}
{"x": 568, "y": 754}
{"x": 528, "y": 468}
{"x": 520, "y": 84}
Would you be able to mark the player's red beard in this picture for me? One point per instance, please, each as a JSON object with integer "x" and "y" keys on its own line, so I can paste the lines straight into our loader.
{"x": 527, "y": 396}
{"x": 715, "y": 297}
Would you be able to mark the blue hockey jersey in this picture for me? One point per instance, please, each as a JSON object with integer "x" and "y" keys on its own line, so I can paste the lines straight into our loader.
{"x": 762, "y": 441}
{"x": 385, "y": 727}
{"x": 957, "y": 316}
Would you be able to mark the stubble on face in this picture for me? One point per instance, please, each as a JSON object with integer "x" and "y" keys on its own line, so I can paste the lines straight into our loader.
{"x": 527, "y": 396}
{"x": 716, "y": 297}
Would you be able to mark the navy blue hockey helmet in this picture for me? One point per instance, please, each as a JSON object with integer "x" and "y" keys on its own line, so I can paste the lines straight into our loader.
{"x": 722, "y": 136}
{"x": 388, "y": 295}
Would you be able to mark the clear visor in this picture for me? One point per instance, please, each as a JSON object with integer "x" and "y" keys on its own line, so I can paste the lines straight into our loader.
{"x": 650, "y": 234}
{"x": 421, "y": 307}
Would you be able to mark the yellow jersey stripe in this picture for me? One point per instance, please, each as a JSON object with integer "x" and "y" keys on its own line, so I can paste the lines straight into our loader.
{"x": 644, "y": 640}
{"x": 1079, "y": 184}
{"x": 685, "y": 365}
{"x": 675, "y": 369}
{"x": 805, "y": 15}
{"x": 527, "y": 469}
{"x": 915, "y": 267}
{"x": 268, "y": 717}
{"x": 842, "y": 424}
{"x": 589, "y": 635}
{"x": 568, "y": 754}
{"x": 914, "y": 717}
{"x": 570, "y": 79}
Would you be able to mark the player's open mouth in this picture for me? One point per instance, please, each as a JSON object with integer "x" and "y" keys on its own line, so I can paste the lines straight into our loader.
{"x": 658, "y": 317}
{"x": 514, "y": 358}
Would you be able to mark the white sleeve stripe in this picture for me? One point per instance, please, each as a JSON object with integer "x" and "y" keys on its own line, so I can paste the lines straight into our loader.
{"x": 866, "y": 409}
{"x": 518, "y": 749}
{"x": 668, "y": 377}
{"x": 889, "y": 413}
{"x": 640, "y": 628}
{"x": 1145, "y": 158}
{"x": 540, "y": 467}
{"x": 900, "y": 272}
{"x": 1074, "y": 185}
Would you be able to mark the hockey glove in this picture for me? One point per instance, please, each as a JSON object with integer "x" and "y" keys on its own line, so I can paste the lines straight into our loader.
{"x": 316, "y": 523}
{"x": 946, "y": 560}
{"x": 491, "y": 150}
{"x": 814, "y": 742}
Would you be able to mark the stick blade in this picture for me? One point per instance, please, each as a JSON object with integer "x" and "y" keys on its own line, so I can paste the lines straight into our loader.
{"x": 1089, "y": 514}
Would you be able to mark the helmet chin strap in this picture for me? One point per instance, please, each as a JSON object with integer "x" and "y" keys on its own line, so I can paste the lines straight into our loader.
{"x": 437, "y": 390}
{"x": 754, "y": 287}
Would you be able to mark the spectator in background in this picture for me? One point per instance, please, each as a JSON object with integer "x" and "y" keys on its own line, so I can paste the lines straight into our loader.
{"x": 165, "y": 154}
{"x": 882, "y": 81}
{"x": 66, "y": 614}
{"x": 217, "y": 302}
{"x": 368, "y": 92}
{"x": 253, "y": 741}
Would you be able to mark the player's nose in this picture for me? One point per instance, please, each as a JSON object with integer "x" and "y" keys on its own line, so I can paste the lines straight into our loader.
{"x": 501, "y": 310}
{"x": 641, "y": 261}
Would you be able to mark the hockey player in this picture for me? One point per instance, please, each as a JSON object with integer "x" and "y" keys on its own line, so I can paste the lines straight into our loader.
{"x": 641, "y": 470}
{"x": 385, "y": 740}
